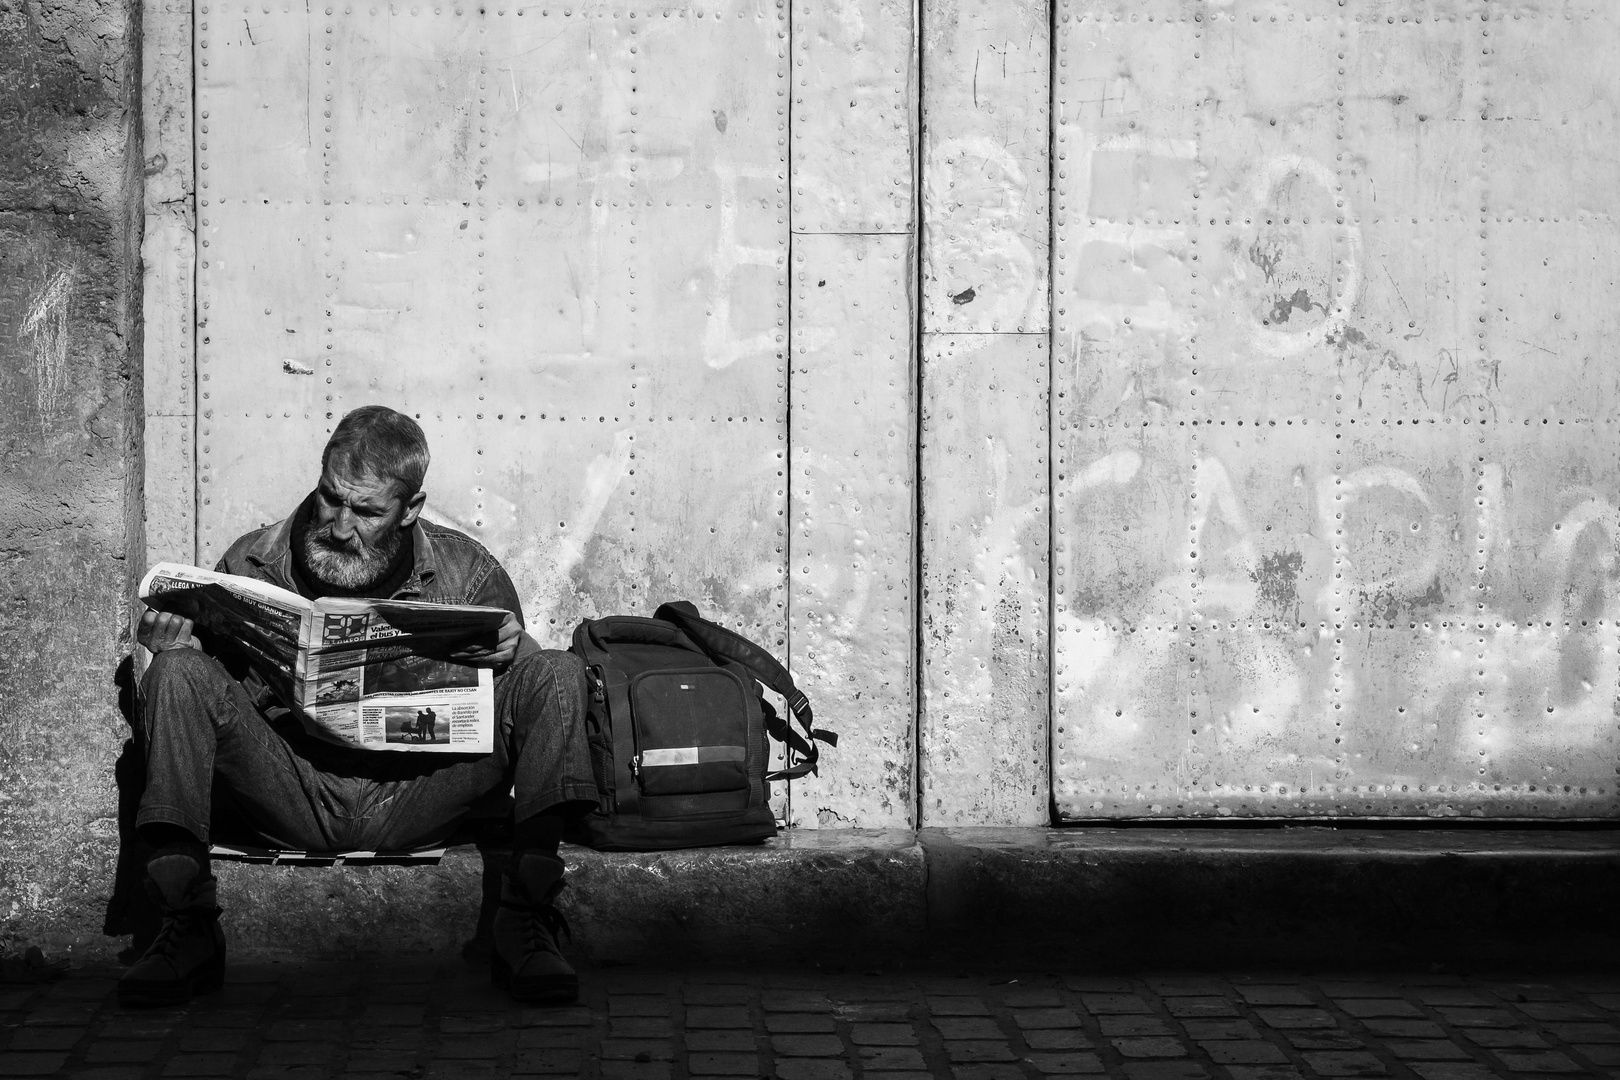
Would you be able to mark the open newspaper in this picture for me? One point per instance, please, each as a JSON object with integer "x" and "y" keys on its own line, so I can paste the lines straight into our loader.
{"x": 365, "y": 673}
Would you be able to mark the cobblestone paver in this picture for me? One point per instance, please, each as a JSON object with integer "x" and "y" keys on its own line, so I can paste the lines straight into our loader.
{"x": 439, "y": 1020}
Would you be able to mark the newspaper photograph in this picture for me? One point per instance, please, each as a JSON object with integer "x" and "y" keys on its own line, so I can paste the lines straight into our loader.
{"x": 373, "y": 674}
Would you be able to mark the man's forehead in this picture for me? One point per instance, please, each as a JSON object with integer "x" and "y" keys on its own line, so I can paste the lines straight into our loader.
{"x": 365, "y": 487}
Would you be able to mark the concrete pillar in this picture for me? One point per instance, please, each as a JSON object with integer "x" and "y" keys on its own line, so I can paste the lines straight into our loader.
{"x": 70, "y": 450}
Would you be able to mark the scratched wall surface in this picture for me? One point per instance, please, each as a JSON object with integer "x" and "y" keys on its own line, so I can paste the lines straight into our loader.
{"x": 70, "y": 451}
{"x": 557, "y": 235}
{"x": 1335, "y": 468}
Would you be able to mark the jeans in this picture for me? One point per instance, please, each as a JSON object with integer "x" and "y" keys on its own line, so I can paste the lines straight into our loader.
{"x": 300, "y": 793}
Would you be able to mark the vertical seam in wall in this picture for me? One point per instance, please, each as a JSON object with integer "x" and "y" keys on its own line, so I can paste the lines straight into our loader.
{"x": 917, "y": 202}
{"x": 787, "y": 404}
{"x": 134, "y": 415}
{"x": 1051, "y": 404}
{"x": 196, "y": 292}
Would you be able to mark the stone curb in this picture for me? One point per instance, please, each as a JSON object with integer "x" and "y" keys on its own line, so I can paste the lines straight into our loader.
{"x": 1186, "y": 896}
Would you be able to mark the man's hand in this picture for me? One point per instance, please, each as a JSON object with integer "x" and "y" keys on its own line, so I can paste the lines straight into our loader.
{"x": 159, "y": 631}
{"x": 505, "y": 647}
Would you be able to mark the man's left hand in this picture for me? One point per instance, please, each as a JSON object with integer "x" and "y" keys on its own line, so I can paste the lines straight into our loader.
{"x": 498, "y": 656}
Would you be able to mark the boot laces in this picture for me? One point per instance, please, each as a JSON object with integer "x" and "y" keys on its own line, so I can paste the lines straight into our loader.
{"x": 177, "y": 926}
{"x": 542, "y": 924}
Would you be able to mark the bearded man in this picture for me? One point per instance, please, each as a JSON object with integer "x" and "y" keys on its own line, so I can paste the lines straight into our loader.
{"x": 211, "y": 724}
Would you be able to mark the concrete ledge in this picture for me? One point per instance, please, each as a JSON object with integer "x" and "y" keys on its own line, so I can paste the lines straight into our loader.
{"x": 1200, "y": 896}
{"x": 299, "y": 913}
{"x": 1087, "y": 896}
{"x": 800, "y": 895}
{"x": 805, "y": 894}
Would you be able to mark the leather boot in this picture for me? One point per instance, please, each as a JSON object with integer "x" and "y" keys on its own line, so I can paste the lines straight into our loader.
{"x": 188, "y": 956}
{"x": 527, "y": 962}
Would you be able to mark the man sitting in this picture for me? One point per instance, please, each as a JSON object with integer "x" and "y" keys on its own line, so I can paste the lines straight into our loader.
{"x": 208, "y": 719}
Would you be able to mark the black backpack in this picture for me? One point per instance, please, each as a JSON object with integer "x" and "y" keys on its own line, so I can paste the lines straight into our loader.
{"x": 677, "y": 724}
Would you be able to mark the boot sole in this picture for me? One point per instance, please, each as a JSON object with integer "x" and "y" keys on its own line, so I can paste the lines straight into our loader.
{"x": 556, "y": 990}
{"x": 158, "y": 995}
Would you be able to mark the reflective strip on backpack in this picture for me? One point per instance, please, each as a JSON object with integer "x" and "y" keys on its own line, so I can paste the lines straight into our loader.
{"x": 690, "y": 755}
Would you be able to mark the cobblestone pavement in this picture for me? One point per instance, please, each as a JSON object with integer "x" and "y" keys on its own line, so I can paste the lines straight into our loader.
{"x": 439, "y": 1020}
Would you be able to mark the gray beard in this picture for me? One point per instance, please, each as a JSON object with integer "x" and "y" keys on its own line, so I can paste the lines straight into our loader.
{"x": 344, "y": 568}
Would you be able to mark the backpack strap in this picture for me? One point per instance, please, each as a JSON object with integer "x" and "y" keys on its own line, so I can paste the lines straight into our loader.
{"x": 727, "y": 645}
{"x": 626, "y": 792}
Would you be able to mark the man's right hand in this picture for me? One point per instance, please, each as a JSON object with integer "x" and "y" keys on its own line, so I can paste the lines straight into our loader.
{"x": 159, "y": 631}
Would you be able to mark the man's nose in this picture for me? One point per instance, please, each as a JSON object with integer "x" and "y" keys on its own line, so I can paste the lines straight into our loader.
{"x": 343, "y": 524}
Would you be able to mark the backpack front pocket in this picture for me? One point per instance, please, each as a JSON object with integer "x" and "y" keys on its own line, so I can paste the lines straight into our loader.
{"x": 691, "y": 727}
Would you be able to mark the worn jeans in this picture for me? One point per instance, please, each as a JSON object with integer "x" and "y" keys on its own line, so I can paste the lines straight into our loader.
{"x": 299, "y": 793}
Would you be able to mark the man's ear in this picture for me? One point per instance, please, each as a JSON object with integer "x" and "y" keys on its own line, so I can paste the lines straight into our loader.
{"x": 413, "y": 507}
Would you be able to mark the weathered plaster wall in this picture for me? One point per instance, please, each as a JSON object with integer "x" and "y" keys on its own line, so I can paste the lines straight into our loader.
{"x": 70, "y": 478}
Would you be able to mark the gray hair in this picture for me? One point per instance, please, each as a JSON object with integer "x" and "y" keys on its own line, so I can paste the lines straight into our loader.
{"x": 376, "y": 441}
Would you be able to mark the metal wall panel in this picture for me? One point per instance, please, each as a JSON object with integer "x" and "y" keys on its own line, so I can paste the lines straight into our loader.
{"x": 1333, "y": 523}
{"x": 1331, "y": 360}
{"x": 854, "y": 115}
{"x": 983, "y": 449}
{"x": 1547, "y": 230}
{"x": 556, "y": 235}
{"x": 985, "y": 578}
{"x": 853, "y": 494}
{"x": 169, "y": 267}
{"x": 1122, "y": 664}
{"x": 986, "y": 169}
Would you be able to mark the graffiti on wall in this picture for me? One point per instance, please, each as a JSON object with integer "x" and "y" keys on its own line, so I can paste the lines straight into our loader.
{"x": 1435, "y": 638}
{"x": 1325, "y": 545}
{"x": 44, "y": 330}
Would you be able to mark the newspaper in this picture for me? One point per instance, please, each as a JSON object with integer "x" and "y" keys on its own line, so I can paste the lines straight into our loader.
{"x": 362, "y": 673}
